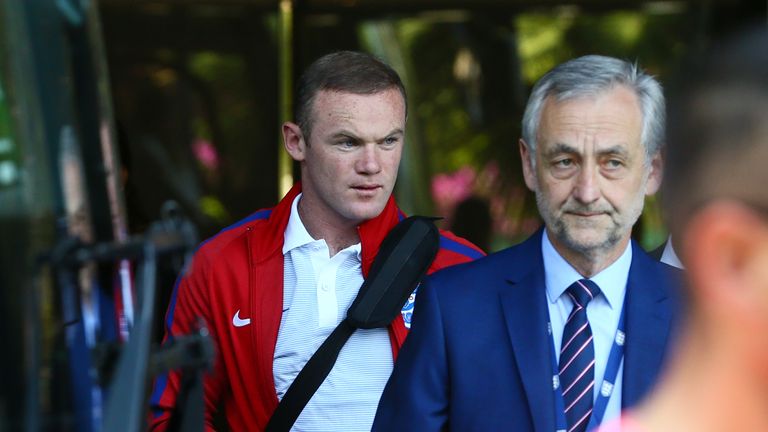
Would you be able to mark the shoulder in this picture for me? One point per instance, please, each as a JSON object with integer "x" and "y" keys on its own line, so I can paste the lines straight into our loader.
{"x": 497, "y": 262}
{"x": 660, "y": 280}
{"x": 645, "y": 264}
{"x": 455, "y": 250}
{"x": 511, "y": 263}
{"x": 230, "y": 240}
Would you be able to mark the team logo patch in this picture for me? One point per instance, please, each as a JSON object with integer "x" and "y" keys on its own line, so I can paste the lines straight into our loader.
{"x": 407, "y": 310}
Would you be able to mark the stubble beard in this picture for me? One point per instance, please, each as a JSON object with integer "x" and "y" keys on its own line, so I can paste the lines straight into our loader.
{"x": 620, "y": 225}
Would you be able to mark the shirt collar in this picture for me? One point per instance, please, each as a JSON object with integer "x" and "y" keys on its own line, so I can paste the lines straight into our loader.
{"x": 559, "y": 274}
{"x": 296, "y": 234}
{"x": 669, "y": 256}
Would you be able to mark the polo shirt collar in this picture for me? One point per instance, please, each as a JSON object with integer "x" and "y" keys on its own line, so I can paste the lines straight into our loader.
{"x": 296, "y": 234}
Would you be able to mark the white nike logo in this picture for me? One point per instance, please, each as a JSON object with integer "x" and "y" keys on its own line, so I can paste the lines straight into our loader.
{"x": 238, "y": 322}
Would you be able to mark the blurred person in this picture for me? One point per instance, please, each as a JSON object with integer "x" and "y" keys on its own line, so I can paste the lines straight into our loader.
{"x": 273, "y": 286}
{"x": 716, "y": 197}
{"x": 472, "y": 220}
{"x": 572, "y": 325}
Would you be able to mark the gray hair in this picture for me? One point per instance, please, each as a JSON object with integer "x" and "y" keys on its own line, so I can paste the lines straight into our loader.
{"x": 588, "y": 76}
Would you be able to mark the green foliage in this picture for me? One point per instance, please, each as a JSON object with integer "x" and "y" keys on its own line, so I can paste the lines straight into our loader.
{"x": 468, "y": 121}
{"x": 439, "y": 100}
{"x": 541, "y": 42}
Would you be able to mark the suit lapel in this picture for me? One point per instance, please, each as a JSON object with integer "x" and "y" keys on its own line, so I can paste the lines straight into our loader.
{"x": 649, "y": 319}
{"x": 525, "y": 311}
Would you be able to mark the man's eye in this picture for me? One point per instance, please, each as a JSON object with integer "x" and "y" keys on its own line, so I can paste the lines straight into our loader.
{"x": 391, "y": 140}
{"x": 347, "y": 143}
{"x": 564, "y": 163}
{"x": 614, "y": 163}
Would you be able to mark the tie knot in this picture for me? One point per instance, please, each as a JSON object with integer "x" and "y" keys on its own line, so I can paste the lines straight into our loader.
{"x": 583, "y": 291}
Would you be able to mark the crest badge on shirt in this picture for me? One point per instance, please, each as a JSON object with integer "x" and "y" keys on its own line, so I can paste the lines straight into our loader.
{"x": 407, "y": 310}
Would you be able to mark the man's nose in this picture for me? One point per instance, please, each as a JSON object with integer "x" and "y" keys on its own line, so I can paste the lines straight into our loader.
{"x": 587, "y": 188}
{"x": 368, "y": 162}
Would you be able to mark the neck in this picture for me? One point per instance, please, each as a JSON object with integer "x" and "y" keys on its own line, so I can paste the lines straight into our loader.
{"x": 591, "y": 262}
{"x": 709, "y": 387}
{"x": 338, "y": 235}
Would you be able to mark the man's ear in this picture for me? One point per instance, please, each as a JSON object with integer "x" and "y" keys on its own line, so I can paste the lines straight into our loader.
{"x": 529, "y": 171}
{"x": 293, "y": 140}
{"x": 723, "y": 246}
{"x": 655, "y": 175}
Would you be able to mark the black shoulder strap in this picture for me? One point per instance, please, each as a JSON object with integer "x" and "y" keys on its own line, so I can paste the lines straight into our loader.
{"x": 309, "y": 379}
{"x": 403, "y": 259}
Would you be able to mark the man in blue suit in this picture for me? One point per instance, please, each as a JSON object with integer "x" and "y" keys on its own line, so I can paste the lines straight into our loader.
{"x": 567, "y": 328}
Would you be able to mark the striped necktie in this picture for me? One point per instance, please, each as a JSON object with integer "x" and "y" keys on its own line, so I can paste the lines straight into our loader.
{"x": 577, "y": 357}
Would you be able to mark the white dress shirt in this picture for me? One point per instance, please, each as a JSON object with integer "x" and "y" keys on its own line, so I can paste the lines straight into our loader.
{"x": 603, "y": 312}
{"x": 317, "y": 291}
{"x": 669, "y": 256}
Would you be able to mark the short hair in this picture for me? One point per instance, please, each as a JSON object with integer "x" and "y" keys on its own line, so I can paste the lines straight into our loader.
{"x": 589, "y": 76}
{"x": 343, "y": 71}
{"x": 718, "y": 135}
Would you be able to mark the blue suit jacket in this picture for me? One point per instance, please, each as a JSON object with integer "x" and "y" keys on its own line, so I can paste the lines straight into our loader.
{"x": 477, "y": 357}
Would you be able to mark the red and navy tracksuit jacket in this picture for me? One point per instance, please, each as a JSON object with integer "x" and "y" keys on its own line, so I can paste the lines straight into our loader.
{"x": 240, "y": 271}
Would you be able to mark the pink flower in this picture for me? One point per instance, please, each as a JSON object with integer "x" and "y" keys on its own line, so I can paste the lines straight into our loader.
{"x": 450, "y": 189}
{"x": 206, "y": 153}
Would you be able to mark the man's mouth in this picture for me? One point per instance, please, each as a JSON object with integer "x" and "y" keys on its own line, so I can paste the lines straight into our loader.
{"x": 367, "y": 188}
{"x": 586, "y": 214}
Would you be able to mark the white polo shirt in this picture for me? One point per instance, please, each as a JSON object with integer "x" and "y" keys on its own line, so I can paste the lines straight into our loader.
{"x": 317, "y": 291}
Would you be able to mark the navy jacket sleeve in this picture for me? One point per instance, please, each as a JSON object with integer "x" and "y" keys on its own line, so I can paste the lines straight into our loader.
{"x": 416, "y": 395}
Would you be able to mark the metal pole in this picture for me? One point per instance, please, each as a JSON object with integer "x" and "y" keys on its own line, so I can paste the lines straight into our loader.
{"x": 285, "y": 53}
{"x": 110, "y": 156}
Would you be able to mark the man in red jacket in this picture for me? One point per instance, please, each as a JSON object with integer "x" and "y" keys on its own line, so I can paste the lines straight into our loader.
{"x": 272, "y": 287}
